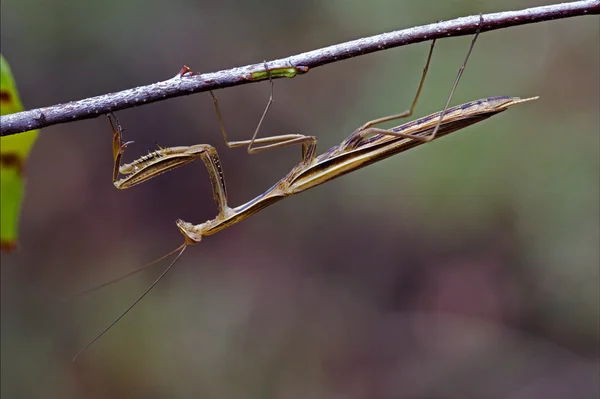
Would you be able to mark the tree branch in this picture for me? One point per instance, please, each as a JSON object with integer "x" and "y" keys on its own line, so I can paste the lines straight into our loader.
{"x": 188, "y": 83}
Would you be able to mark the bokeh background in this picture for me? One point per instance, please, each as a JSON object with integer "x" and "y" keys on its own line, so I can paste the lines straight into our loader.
{"x": 466, "y": 268}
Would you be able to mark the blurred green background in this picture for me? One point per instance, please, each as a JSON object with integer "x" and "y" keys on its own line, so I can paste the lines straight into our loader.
{"x": 466, "y": 268}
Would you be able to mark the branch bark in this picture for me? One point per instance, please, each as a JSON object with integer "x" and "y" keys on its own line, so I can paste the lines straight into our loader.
{"x": 185, "y": 84}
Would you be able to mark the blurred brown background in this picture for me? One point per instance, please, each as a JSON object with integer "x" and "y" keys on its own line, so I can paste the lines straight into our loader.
{"x": 467, "y": 268}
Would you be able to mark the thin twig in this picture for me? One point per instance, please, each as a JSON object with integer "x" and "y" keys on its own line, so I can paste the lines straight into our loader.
{"x": 193, "y": 83}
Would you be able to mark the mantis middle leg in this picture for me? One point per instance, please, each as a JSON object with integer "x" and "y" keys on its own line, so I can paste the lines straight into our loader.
{"x": 254, "y": 145}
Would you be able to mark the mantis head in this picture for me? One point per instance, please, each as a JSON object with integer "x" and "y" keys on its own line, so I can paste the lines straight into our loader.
{"x": 191, "y": 233}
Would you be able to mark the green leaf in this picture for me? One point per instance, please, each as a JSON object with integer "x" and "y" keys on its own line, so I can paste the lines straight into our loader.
{"x": 14, "y": 151}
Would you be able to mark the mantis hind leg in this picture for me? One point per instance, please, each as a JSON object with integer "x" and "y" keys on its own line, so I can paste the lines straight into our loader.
{"x": 367, "y": 128}
{"x": 355, "y": 138}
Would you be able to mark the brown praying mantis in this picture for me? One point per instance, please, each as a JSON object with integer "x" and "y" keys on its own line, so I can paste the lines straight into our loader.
{"x": 366, "y": 145}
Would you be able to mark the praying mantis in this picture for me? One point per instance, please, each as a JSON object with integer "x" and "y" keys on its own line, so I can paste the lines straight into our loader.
{"x": 366, "y": 145}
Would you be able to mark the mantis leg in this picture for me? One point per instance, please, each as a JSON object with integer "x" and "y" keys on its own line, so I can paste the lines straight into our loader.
{"x": 254, "y": 145}
{"x": 367, "y": 129}
{"x": 118, "y": 145}
{"x": 163, "y": 160}
{"x": 355, "y": 138}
